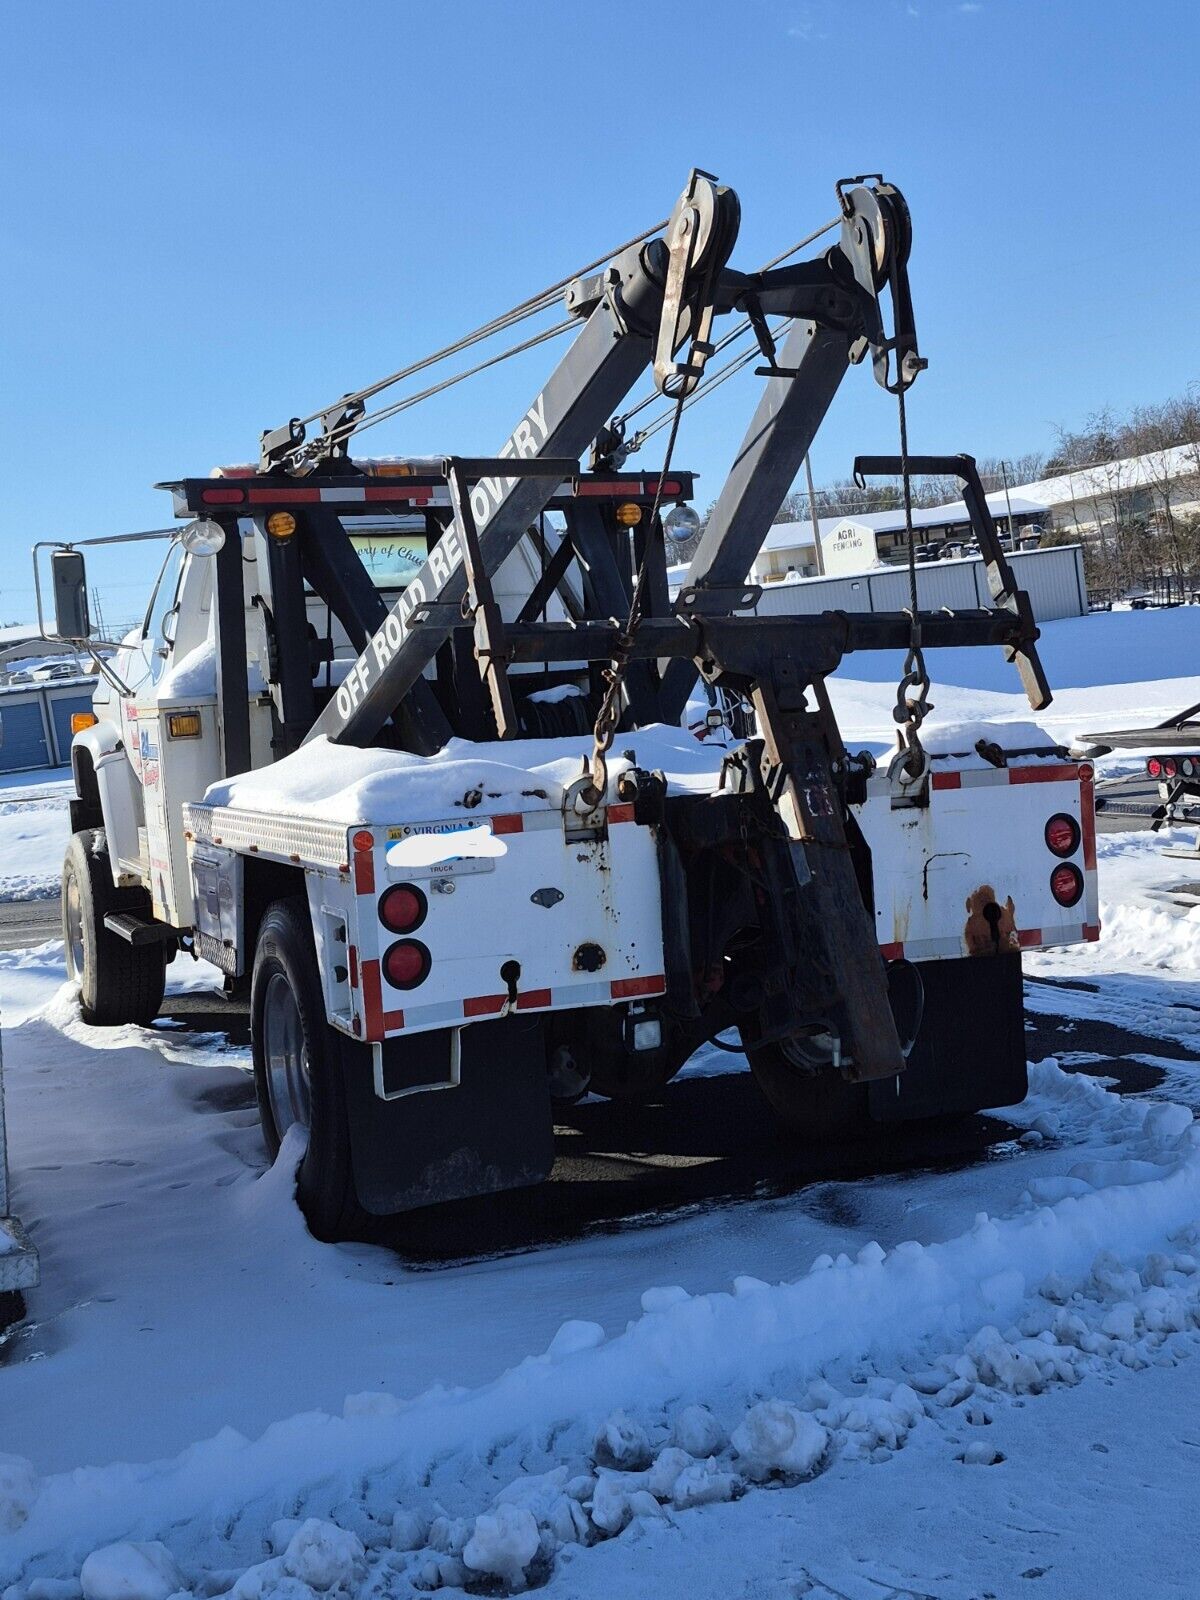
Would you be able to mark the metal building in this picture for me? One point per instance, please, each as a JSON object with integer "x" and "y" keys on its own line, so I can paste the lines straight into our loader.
{"x": 1052, "y": 578}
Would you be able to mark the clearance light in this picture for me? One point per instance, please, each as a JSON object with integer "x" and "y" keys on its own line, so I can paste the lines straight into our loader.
{"x": 406, "y": 963}
{"x": 1066, "y": 884}
{"x": 281, "y": 524}
{"x": 183, "y": 724}
{"x": 1062, "y": 835}
{"x": 81, "y": 720}
{"x": 628, "y": 514}
{"x": 402, "y": 908}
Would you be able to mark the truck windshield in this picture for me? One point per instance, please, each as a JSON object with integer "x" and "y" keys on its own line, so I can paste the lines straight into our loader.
{"x": 392, "y": 549}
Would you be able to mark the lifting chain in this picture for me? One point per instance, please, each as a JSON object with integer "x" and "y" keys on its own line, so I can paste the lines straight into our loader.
{"x": 608, "y": 717}
{"x": 909, "y": 767}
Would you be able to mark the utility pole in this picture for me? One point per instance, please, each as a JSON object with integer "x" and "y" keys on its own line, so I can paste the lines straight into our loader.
{"x": 812, "y": 515}
{"x": 1012, "y": 543}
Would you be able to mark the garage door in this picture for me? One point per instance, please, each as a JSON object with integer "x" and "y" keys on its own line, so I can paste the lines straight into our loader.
{"x": 22, "y": 733}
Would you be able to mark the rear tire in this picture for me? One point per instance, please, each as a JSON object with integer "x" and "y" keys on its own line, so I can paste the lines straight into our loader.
{"x": 299, "y": 1067}
{"x": 118, "y": 982}
{"x": 820, "y": 1105}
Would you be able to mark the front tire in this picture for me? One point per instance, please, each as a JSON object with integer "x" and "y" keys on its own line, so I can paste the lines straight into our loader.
{"x": 118, "y": 982}
{"x": 299, "y": 1068}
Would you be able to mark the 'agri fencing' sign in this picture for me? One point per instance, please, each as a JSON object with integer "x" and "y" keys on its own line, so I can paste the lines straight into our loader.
{"x": 849, "y": 547}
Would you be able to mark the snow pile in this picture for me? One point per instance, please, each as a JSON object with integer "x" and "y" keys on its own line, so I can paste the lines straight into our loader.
{"x": 699, "y": 1400}
{"x": 129, "y": 1571}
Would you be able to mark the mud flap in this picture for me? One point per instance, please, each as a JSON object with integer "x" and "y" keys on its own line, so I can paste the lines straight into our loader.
{"x": 970, "y": 1051}
{"x": 492, "y": 1131}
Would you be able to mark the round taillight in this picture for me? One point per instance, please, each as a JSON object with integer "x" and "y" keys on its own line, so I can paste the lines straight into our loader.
{"x": 1188, "y": 767}
{"x": 363, "y": 839}
{"x": 1154, "y": 767}
{"x": 1066, "y": 884}
{"x": 1169, "y": 767}
{"x": 406, "y": 963}
{"x": 402, "y": 908}
{"x": 1062, "y": 834}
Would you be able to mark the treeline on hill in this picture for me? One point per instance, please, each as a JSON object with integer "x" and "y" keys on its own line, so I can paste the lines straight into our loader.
{"x": 1143, "y": 541}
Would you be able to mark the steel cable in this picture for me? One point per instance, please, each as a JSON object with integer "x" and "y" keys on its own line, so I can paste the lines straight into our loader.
{"x": 517, "y": 313}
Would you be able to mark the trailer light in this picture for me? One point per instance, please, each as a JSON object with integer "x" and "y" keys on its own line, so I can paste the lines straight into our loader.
{"x": 406, "y": 963}
{"x": 281, "y": 524}
{"x": 402, "y": 908}
{"x": 628, "y": 514}
{"x": 1066, "y": 884}
{"x": 364, "y": 839}
{"x": 1062, "y": 834}
{"x": 81, "y": 720}
{"x": 1188, "y": 767}
{"x": 1169, "y": 767}
{"x": 1154, "y": 767}
{"x": 183, "y": 724}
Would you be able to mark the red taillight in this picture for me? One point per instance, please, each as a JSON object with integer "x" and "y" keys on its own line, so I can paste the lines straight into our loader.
{"x": 1169, "y": 767}
{"x": 402, "y": 908}
{"x": 406, "y": 963}
{"x": 1066, "y": 884}
{"x": 1154, "y": 767}
{"x": 1062, "y": 834}
{"x": 363, "y": 839}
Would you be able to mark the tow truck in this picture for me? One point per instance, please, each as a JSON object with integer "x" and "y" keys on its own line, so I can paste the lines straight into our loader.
{"x": 401, "y": 748}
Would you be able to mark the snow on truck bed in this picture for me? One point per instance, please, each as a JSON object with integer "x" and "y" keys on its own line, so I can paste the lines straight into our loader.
{"x": 342, "y": 784}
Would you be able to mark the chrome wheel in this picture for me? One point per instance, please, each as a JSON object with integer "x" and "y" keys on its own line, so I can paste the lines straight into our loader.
{"x": 285, "y": 1055}
{"x": 74, "y": 930}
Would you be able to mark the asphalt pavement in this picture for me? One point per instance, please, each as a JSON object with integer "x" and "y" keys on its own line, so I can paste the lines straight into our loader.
{"x": 703, "y": 1143}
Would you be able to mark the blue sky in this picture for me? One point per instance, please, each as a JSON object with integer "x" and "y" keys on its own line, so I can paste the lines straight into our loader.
{"x": 218, "y": 215}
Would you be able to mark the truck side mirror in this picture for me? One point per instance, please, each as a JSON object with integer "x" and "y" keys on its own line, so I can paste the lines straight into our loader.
{"x": 71, "y": 620}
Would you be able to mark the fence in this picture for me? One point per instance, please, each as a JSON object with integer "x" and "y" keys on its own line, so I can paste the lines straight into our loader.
{"x": 1052, "y": 578}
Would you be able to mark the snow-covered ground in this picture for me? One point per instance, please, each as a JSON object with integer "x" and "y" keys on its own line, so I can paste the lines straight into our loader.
{"x": 973, "y": 1382}
{"x": 34, "y": 826}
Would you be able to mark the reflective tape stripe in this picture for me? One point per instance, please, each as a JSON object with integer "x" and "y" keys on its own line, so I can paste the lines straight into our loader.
{"x": 632, "y": 988}
{"x": 372, "y": 1000}
{"x": 1050, "y": 772}
{"x": 947, "y": 780}
{"x": 364, "y": 872}
{"x": 621, "y": 813}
